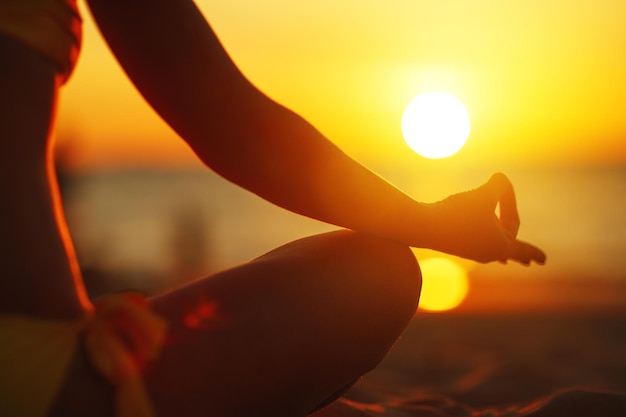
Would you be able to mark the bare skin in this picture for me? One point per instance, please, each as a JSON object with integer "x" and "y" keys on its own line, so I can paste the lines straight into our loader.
{"x": 32, "y": 227}
{"x": 289, "y": 330}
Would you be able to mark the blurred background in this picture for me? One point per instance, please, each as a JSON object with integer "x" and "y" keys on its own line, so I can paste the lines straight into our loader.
{"x": 544, "y": 83}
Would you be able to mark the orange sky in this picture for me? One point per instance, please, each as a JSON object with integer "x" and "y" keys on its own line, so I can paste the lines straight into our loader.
{"x": 544, "y": 81}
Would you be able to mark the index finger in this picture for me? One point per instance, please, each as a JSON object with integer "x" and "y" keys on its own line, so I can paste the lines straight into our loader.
{"x": 504, "y": 195}
{"x": 525, "y": 253}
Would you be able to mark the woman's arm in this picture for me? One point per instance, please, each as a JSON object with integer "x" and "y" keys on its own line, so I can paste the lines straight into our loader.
{"x": 177, "y": 62}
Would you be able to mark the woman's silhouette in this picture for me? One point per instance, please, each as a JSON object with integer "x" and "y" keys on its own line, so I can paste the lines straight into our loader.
{"x": 281, "y": 335}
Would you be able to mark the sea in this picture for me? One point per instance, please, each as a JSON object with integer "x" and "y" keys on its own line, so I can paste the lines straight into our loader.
{"x": 166, "y": 222}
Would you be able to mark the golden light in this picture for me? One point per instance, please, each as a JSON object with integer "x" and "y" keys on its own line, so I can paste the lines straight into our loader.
{"x": 444, "y": 284}
{"x": 435, "y": 125}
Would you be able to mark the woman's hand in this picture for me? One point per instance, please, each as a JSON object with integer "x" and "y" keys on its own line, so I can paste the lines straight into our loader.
{"x": 466, "y": 225}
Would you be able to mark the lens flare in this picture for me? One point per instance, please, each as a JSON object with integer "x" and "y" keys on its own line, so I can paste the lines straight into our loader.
{"x": 444, "y": 284}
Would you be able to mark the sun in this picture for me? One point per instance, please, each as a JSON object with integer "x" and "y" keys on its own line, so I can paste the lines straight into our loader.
{"x": 435, "y": 125}
{"x": 444, "y": 284}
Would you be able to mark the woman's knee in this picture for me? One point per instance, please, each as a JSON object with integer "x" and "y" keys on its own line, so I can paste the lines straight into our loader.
{"x": 389, "y": 284}
{"x": 355, "y": 296}
{"x": 386, "y": 269}
{"x": 369, "y": 288}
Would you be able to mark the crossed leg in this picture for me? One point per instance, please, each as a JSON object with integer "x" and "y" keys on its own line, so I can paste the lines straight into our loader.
{"x": 287, "y": 330}
{"x": 277, "y": 336}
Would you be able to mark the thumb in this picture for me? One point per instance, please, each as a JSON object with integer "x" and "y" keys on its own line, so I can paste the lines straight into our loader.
{"x": 525, "y": 253}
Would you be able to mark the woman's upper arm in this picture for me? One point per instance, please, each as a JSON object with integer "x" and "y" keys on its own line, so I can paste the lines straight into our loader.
{"x": 175, "y": 59}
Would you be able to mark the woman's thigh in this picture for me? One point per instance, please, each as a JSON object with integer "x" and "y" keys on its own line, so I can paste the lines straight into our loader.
{"x": 279, "y": 335}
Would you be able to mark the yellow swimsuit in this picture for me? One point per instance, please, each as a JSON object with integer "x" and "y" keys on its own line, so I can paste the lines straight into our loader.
{"x": 51, "y": 27}
{"x": 121, "y": 334}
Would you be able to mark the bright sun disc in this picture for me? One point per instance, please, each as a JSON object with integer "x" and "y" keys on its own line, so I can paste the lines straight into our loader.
{"x": 444, "y": 284}
{"x": 435, "y": 125}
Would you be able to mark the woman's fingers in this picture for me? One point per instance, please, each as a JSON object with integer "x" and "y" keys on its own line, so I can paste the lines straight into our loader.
{"x": 503, "y": 194}
{"x": 525, "y": 253}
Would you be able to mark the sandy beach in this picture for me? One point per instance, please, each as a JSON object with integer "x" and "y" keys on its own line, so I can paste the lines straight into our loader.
{"x": 507, "y": 364}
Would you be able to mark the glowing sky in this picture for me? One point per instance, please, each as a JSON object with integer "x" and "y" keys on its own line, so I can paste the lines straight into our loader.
{"x": 543, "y": 81}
